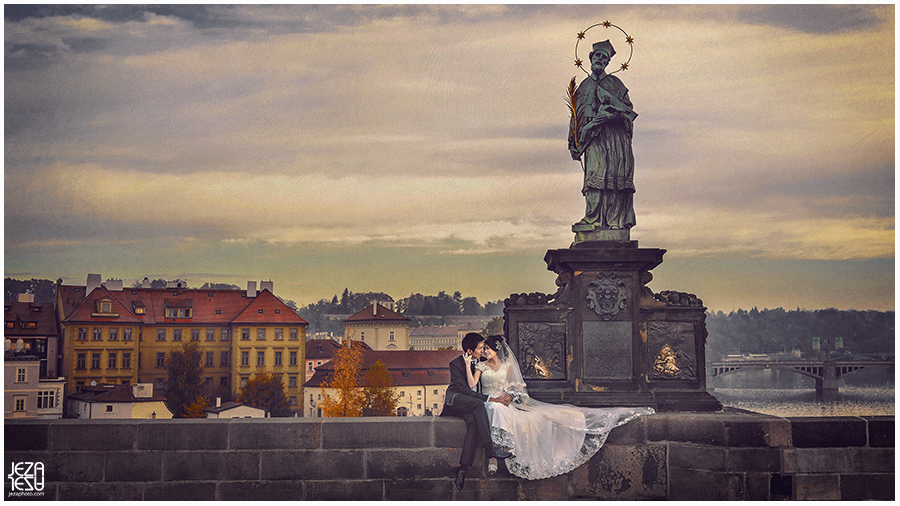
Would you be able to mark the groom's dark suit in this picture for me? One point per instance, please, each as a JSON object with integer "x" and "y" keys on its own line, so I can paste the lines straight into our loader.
{"x": 468, "y": 404}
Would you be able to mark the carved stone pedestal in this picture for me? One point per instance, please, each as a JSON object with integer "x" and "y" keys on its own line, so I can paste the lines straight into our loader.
{"x": 603, "y": 339}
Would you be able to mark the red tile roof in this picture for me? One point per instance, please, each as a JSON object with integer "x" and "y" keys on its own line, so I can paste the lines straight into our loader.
{"x": 88, "y": 308}
{"x": 267, "y": 308}
{"x": 321, "y": 348}
{"x": 376, "y": 312}
{"x": 220, "y": 307}
{"x": 111, "y": 393}
{"x": 42, "y": 314}
{"x": 407, "y": 367}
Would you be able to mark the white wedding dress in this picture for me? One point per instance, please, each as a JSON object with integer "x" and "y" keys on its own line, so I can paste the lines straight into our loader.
{"x": 546, "y": 439}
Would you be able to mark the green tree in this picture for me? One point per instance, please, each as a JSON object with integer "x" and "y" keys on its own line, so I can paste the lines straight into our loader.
{"x": 219, "y": 286}
{"x": 471, "y": 307}
{"x": 43, "y": 290}
{"x": 184, "y": 382}
{"x": 266, "y": 391}
{"x": 381, "y": 398}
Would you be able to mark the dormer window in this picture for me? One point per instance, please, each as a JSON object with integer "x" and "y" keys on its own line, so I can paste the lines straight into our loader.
{"x": 105, "y": 309}
{"x": 178, "y": 312}
{"x": 179, "y": 308}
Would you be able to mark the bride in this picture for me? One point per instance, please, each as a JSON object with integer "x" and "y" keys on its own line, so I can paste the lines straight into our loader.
{"x": 545, "y": 439}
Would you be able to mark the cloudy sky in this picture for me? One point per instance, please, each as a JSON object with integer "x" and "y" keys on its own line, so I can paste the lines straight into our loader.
{"x": 418, "y": 148}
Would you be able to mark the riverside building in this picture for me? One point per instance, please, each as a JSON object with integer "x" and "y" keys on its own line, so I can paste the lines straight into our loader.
{"x": 118, "y": 335}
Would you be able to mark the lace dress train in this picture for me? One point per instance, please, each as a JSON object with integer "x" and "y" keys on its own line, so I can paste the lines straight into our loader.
{"x": 547, "y": 439}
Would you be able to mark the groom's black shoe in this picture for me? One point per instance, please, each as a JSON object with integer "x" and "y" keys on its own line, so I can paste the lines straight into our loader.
{"x": 496, "y": 452}
{"x": 460, "y": 478}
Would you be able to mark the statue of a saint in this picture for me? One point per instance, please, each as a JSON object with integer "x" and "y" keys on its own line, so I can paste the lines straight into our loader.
{"x": 602, "y": 130}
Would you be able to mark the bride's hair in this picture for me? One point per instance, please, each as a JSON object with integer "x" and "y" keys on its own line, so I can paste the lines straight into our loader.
{"x": 494, "y": 343}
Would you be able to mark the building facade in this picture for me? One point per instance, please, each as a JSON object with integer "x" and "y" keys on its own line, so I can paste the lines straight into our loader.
{"x": 31, "y": 329}
{"x": 105, "y": 402}
{"x": 379, "y": 327}
{"x": 233, "y": 409}
{"x": 420, "y": 378}
{"x": 319, "y": 351}
{"x": 121, "y": 336}
{"x": 25, "y": 393}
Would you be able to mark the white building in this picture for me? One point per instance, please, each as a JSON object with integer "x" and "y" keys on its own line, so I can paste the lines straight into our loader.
{"x": 104, "y": 401}
{"x": 26, "y": 394}
{"x": 232, "y": 409}
{"x": 378, "y": 327}
{"x": 420, "y": 377}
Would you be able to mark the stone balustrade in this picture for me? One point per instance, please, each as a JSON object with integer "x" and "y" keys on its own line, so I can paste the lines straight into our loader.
{"x": 730, "y": 455}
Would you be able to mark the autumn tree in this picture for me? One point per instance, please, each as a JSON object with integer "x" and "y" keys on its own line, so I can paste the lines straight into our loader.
{"x": 348, "y": 399}
{"x": 381, "y": 398}
{"x": 195, "y": 409}
{"x": 184, "y": 382}
{"x": 266, "y": 391}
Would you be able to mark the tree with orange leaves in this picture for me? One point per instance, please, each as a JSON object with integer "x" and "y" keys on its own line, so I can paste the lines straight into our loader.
{"x": 348, "y": 399}
{"x": 195, "y": 409}
{"x": 381, "y": 397}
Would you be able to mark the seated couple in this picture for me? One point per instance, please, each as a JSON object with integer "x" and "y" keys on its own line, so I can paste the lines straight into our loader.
{"x": 537, "y": 439}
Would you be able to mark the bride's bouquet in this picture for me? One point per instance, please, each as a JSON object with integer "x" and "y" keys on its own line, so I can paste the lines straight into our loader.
{"x": 517, "y": 391}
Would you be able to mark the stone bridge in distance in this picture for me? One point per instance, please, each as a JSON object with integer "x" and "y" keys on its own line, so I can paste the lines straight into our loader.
{"x": 825, "y": 372}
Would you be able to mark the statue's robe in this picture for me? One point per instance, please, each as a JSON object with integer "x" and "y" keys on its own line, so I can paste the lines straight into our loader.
{"x": 608, "y": 157}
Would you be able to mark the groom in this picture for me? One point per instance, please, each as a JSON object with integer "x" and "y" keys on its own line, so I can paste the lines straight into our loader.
{"x": 463, "y": 402}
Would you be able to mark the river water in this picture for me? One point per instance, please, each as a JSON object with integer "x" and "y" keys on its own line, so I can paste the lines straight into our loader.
{"x": 862, "y": 400}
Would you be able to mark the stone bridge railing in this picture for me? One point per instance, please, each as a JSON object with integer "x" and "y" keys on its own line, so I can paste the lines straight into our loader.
{"x": 728, "y": 455}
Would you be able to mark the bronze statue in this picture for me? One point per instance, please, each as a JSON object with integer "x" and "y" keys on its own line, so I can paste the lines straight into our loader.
{"x": 602, "y": 126}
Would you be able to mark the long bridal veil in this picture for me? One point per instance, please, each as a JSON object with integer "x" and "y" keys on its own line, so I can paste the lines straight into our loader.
{"x": 592, "y": 421}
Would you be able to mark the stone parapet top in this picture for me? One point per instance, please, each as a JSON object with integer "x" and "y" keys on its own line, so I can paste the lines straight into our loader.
{"x": 729, "y": 428}
{"x": 728, "y": 455}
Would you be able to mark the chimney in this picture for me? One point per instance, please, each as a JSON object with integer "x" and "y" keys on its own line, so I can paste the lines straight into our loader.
{"x": 142, "y": 390}
{"x": 375, "y": 309}
{"x": 267, "y": 285}
{"x": 218, "y": 402}
{"x": 145, "y": 283}
{"x": 26, "y": 297}
{"x": 114, "y": 285}
{"x": 93, "y": 281}
{"x": 251, "y": 289}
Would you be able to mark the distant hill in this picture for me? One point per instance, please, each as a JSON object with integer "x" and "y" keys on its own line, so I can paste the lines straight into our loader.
{"x": 777, "y": 330}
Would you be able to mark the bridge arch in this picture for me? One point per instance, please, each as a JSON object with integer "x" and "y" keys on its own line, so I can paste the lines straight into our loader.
{"x": 810, "y": 371}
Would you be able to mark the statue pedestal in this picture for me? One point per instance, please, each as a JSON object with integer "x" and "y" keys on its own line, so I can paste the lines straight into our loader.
{"x": 604, "y": 339}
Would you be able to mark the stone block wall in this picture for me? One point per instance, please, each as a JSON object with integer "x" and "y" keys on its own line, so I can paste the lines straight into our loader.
{"x": 728, "y": 455}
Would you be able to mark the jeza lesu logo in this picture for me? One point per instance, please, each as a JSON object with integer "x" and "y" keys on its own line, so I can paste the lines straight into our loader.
{"x": 27, "y": 478}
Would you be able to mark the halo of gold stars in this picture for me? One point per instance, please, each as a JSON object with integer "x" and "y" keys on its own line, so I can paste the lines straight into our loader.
{"x": 606, "y": 24}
